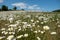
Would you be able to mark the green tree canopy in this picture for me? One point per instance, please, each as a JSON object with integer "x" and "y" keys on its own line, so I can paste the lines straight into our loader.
{"x": 15, "y": 8}
{"x": 4, "y": 8}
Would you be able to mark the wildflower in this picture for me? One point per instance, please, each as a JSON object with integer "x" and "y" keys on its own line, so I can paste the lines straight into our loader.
{"x": 42, "y": 22}
{"x": 2, "y": 37}
{"x": 3, "y": 32}
{"x": 10, "y": 29}
{"x": 37, "y": 21}
{"x": 39, "y": 30}
{"x": 29, "y": 25}
{"x": 42, "y": 32}
{"x": 3, "y": 29}
{"x": 32, "y": 20}
{"x": 19, "y": 29}
{"x": 11, "y": 32}
{"x": 11, "y": 20}
{"x": 46, "y": 27}
{"x": 52, "y": 33}
{"x": 25, "y": 35}
{"x": 31, "y": 29}
{"x": 58, "y": 25}
{"x": 10, "y": 37}
{"x": 41, "y": 17}
{"x": 35, "y": 32}
{"x": 24, "y": 22}
{"x": 24, "y": 26}
{"x": 13, "y": 25}
{"x": 6, "y": 33}
{"x": 17, "y": 22}
{"x": 38, "y": 38}
{"x": 45, "y": 21}
{"x": 14, "y": 38}
{"x": 19, "y": 36}
{"x": 33, "y": 24}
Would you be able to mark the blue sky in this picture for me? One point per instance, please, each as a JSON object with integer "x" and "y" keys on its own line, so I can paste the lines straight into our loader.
{"x": 44, "y": 5}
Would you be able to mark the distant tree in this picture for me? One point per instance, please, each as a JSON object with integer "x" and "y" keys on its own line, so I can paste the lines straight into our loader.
{"x": 10, "y": 9}
{"x": 4, "y": 8}
{"x": 56, "y": 10}
{"x": 15, "y": 8}
{"x": 22, "y": 9}
{"x": 0, "y": 9}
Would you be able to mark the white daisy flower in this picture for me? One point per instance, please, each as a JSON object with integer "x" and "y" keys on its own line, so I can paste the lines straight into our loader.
{"x": 3, "y": 29}
{"x": 11, "y": 32}
{"x": 29, "y": 25}
{"x": 35, "y": 31}
{"x": 39, "y": 30}
{"x": 46, "y": 27}
{"x": 14, "y": 38}
{"x": 25, "y": 35}
{"x": 38, "y": 38}
{"x": 32, "y": 20}
{"x": 45, "y": 21}
{"x": 19, "y": 36}
{"x": 6, "y": 33}
{"x": 10, "y": 29}
{"x": 37, "y": 21}
{"x": 33, "y": 25}
{"x": 42, "y": 22}
{"x": 42, "y": 32}
{"x": 11, "y": 20}
{"x": 52, "y": 33}
{"x": 19, "y": 29}
{"x": 2, "y": 37}
{"x": 31, "y": 29}
{"x": 24, "y": 22}
{"x": 13, "y": 25}
{"x": 58, "y": 25}
{"x": 10, "y": 37}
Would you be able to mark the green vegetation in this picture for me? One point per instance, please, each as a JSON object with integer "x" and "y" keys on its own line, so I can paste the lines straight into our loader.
{"x": 58, "y": 10}
{"x": 4, "y": 8}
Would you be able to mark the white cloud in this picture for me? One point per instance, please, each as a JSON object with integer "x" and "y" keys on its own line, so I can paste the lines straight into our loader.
{"x": 24, "y": 5}
{"x": 1, "y": 1}
{"x": 34, "y": 7}
{"x": 21, "y": 5}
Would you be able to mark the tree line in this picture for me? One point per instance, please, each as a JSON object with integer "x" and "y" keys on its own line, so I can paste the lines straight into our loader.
{"x": 58, "y": 10}
{"x": 5, "y": 8}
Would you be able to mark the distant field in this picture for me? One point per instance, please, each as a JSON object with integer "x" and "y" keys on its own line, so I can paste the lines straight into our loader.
{"x": 24, "y": 25}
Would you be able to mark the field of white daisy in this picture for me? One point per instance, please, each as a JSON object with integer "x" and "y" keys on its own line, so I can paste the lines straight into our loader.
{"x": 29, "y": 25}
